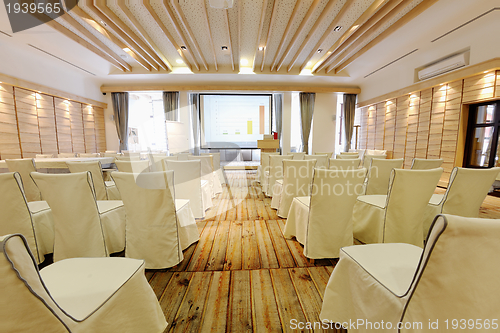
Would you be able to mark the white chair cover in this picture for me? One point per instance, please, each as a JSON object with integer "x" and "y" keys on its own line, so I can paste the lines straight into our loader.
{"x": 156, "y": 161}
{"x": 133, "y": 158}
{"x": 44, "y": 156}
{"x": 217, "y": 167}
{"x": 297, "y": 179}
{"x": 321, "y": 160}
{"x": 367, "y": 159}
{"x": 346, "y": 157}
{"x": 187, "y": 181}
{"x": 25, "y": 167}
{"x": 66, "y": 155}
{"x": 329, "y": 154}
{"x": 275, "y": 171}
{"x": 321, "y": 222}
{"x": 83, "y": 227}
{"x": 379, "y": 175}
{"x": 153, "y": 230}
{"x": 394, "y": 283}
{"x": 396, "y": 217}
{"x": 465, "y": 194}
{"x": 99, "y": 295}
{"x": 111, "y": 154}
{"x": 350, "y": 153}
{"x": 103, "y": 190}
{"x": 182, "y": 156}
{"x": 298, "y": 156}
{"x": 264, "y": 168}
{"x": 425, "y": 164}
{"x": 85, "y": 155}
{"x": 32, "y": 219}
{"x": 132, "y": 166}
{"x": 344, "y": 164}
{"x": 207, "y": 172}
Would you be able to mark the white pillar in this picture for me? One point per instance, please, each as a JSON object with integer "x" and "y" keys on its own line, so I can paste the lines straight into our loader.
{"x": 286, "y": 122}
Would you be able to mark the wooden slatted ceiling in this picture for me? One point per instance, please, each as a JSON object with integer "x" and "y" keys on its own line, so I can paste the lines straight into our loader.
{"x": 9, "y": 143}
{"x": 89, "y": 129}
{"x": 46, "y": 123}
{"x": 27, "y": 117}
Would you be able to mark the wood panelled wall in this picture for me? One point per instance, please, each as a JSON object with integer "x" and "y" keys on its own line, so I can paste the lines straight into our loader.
{"x": 425, "y": 124}
{"x": 33, "y": 123}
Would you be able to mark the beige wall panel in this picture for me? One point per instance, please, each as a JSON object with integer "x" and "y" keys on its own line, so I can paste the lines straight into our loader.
{"x": 29, "y": 134}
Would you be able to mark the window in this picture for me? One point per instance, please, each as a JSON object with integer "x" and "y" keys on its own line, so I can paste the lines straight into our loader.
{"x": 482, "y": 148}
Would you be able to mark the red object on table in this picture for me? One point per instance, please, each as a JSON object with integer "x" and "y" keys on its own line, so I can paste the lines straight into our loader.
{"x": 275, "y": 135}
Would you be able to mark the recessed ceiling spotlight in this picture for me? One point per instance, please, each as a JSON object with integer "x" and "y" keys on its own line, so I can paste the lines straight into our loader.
{"x": 179, "y": 61}
{"x": 126, "y": 49}
{"x": 183, "y": 47}
{"x": 224, "y": 48}
{"x": 320, "y": 50}
{"x": 261, "y": 48}
{"x": 102, "y": 22}
{"x": 244, "y": 62}
{"x": 337, "y": 28}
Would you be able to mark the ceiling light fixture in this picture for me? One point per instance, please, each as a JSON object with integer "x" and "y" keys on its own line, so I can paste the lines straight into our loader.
{"x": 224, "y": 48}
{"x": 126, "y": 49}
{"x": 337, "y": 28}
{"x": 320, "y": 50}
{"x": 184, "y": 48}
{"x": 244, "y": 62}
{"x": 179, "y": 61}
{"x": 261, "y": 48}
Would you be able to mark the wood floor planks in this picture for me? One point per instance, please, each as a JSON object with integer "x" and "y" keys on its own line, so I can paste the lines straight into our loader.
{"x": 243, "y": 275}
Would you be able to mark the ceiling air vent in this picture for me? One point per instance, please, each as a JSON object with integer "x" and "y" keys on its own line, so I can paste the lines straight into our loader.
{"x": 444, "y": 66}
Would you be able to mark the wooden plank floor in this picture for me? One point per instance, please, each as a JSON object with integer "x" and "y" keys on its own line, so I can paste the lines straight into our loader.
{"x": 243, "y": 275}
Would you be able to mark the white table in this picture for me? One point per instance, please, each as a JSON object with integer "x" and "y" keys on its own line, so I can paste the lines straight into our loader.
{"x": 58, "y": 165}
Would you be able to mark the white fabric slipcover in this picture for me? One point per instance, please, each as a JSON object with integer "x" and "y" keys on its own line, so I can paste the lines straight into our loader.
{"x": 153, "y": 229}
{"x": 217, "y": 167}
{"x": 182, "y": 156}
{"x": 297, "y": 179}
{"x": 329, "y": 154}
{"x": 367, "y": 159}
{"x": 187, "y": 181}
{"x": 298, "y": 156}
{"x": 346, "y": 157}
{"x": 132, "y": 166}
{"x": 103, "y": 190}
{"x": 321, "y": 222}
{"x": 88, "y": 155}
{"x": 99, "y": 295}
{"x": 83, "y": 226}
{"x": 379, "y": 175}
{"x": 465, "y": 194}
{"x": 44, "y": 156}
{"x": 128, "y": 158}
{"x": 425, "y": 164}
{"x": 321, "y": 160}
{"x": 25, "y": 167}
{"x": 66, "y": 155}
{"x": 264, "y": 166}
{"x": 454, "y": 277}
{"x": 207, "y": 172}
{"x": 275, "y": 172}
{"x": 32, "y": 219}
{"x": 156, "y": 161}
{"x": 398, "y": 216}
{"x": 344, "y": 164}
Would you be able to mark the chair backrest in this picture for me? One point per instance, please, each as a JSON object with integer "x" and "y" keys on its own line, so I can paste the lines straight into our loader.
{"x": 333, "y": 196}
{"x": 264, "y": 162}
{"x": 379, "y": 175}
{"x": 25, "y": 167}
{"x": 329, "y": 154}
{"x": 182, "y": 156}
{"x": 425, "y": 163}
{"x": 297, "y": 179}
{"x": 215, "y": 159}
{"x": 298, "y": 156}
{"x": 132, "y": 166}
{"x": 30, "y": 306}
{"x": 66, "y": 155}
{"x": 128, "y": 158}
{"x": 321, "y": 160}
{"x": 44, "y": 156}
{"x": 131, "y": 153}
{"x": 352, "y": 153}
{"x": 157, "y": 163}
{"x": 108, "y": 154}
{"x": 276, "y": 169}
{"x": 459, "y": 265}
{"x": 95, "y": 168}
{"x": 187, "y": 182}
{"x": 367, "y": 160}
{"x": 16, "y": 217}
{"x": 408, "y": 196}
{"x": 467, "y": 190}
{"x": 77, "y": 226}
{"x": 207, "y": 163}
{"x": 151, "y": 228}
{"x": 344, "y": 164}
{"x": 346, "y": 157}
{"x": 86, "y": 155}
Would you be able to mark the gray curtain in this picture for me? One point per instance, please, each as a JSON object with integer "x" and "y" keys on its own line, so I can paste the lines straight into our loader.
{"x": 196, "y": 121}
{"x": 278, "y": 113}
{"x": 306, "y": 115}
{"x": 171, "y": 105}
{"x": 349, "y": 111}
{"x": 120, "y": 109}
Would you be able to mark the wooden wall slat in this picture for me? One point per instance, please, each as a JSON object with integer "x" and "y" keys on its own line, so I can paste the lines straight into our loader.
{"x": 370, "y": 139}
{"x": 100, "y": 129}
{"x": 77, "y": 133}
{"x": 497, "y": 86}
{"x": 390, "y": 126}
{"x": 363, "y": 128}
{"x": 380, "y": 126}
{"x": 401, "y": 126}
{"x": 89, "y": 129}
{"x": 29, "y": 135}
{"x": 9, "y": 142}
{"x": 46, "y": 124}
{"x": 479, "y": 87}
{"x": 62, "y": 110}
